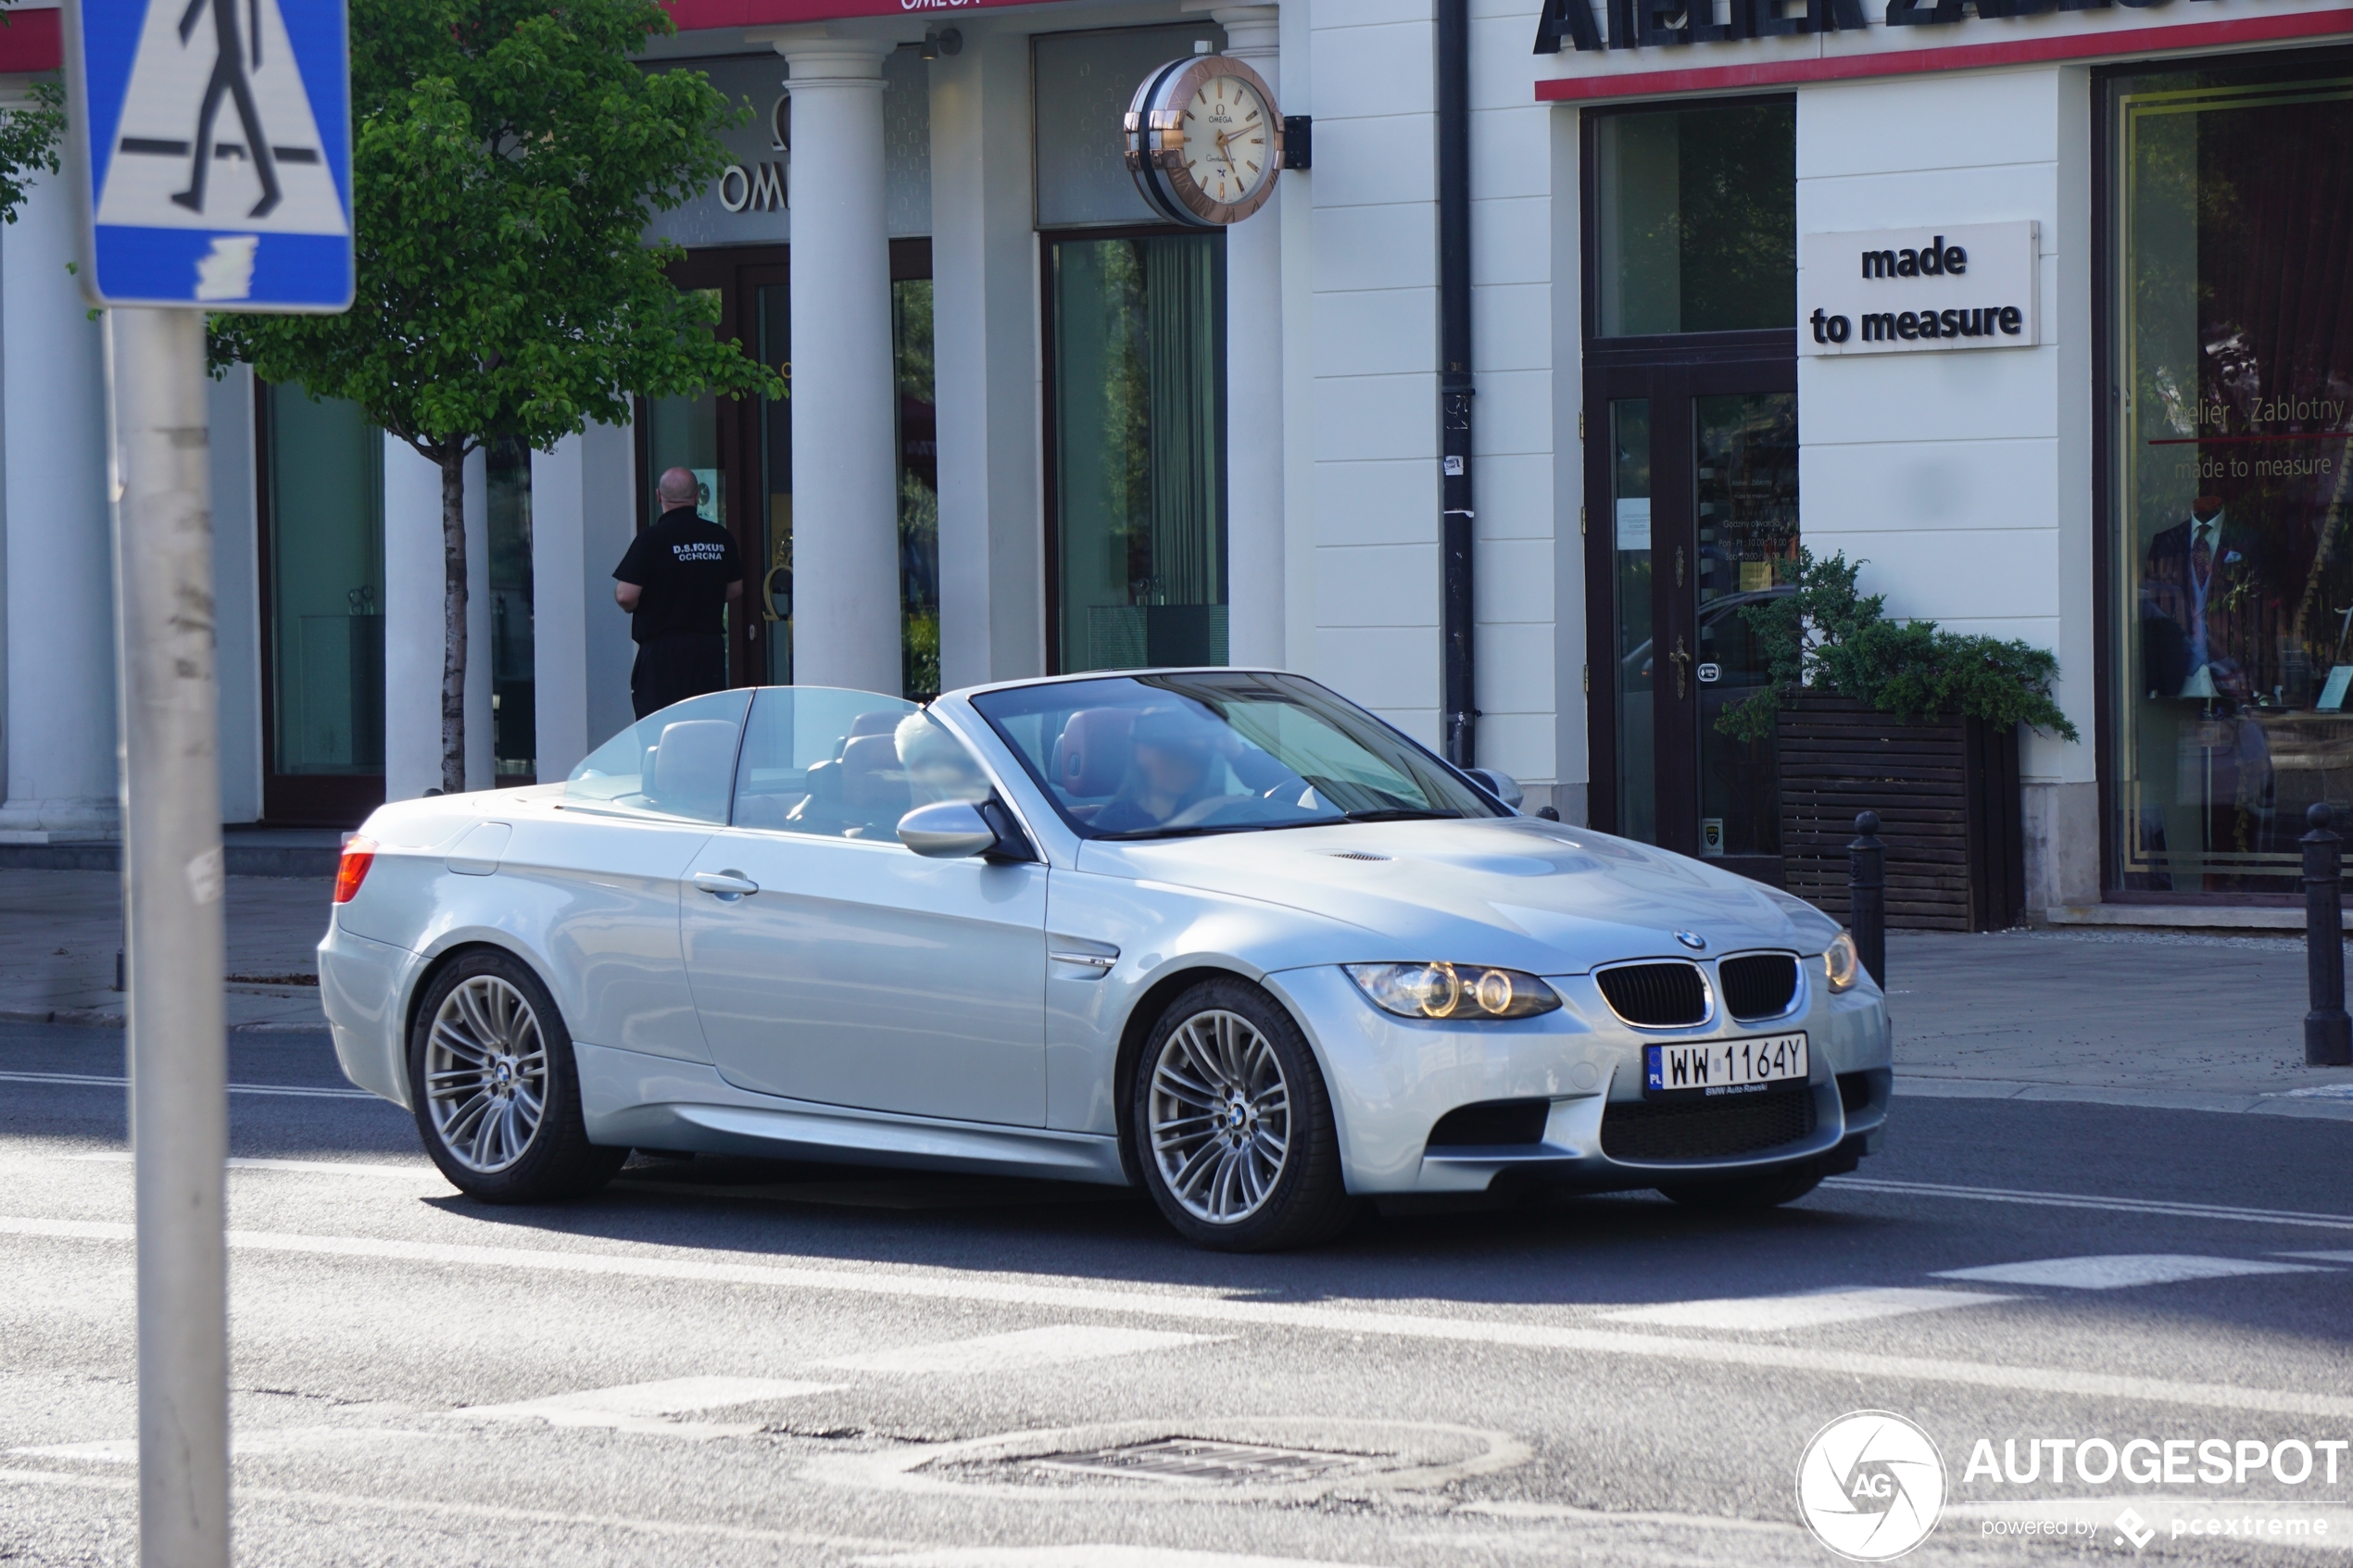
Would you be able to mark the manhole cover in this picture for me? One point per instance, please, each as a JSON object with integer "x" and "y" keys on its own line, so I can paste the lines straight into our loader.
{"x": 1294, "y": 1459}
{"x": 1204, "y": 1459}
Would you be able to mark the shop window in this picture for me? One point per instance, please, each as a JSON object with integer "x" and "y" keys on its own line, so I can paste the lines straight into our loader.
{"x": 1695, "y": 219}
{"x": 1138, "y": 465}
{"x": 323, "y": 552}
{"x": 2232, "y": 367}
{"x": 513, "y": 714}
{"x": 918, "y": 487}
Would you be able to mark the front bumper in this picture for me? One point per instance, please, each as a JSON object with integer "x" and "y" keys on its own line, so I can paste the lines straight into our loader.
{"x": 1391, "y": 1079}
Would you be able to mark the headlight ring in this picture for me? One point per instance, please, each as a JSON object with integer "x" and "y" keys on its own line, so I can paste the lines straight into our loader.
{"x": 1479, "y": 992}
{"x": 1842, "y": 963}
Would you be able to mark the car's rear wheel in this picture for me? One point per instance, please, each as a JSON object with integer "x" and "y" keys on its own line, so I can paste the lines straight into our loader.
{"x": 495, "y": 1088}
{"x": 1232, "y": 1124}
{"x": 1769, "y": 1191}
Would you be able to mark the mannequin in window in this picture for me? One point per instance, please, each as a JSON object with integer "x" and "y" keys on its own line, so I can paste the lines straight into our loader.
{"x": 2201, "y": 600}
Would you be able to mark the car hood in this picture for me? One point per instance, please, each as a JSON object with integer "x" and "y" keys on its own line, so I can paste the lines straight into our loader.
{"x": 1520, "y": 892}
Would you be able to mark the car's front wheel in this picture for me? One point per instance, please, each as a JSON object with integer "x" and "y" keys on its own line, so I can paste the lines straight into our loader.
{"x": 1232, "y": 1124}
{"x": 495, "y": 1091}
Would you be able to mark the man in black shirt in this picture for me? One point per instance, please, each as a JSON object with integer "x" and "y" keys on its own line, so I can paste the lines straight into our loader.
{"x": 676, "y": 581}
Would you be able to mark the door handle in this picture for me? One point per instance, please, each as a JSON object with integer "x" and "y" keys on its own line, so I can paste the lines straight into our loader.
{"x": 726, "y": 885}
{"x": 1681, "y": 660}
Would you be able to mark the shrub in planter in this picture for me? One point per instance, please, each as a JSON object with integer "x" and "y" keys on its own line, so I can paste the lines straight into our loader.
{"x": 1916, "y": 723}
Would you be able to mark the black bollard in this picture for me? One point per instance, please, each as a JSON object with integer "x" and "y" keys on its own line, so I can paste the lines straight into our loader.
{"x": 1867, "y": 895}
{"x": 2328, "y": 1032}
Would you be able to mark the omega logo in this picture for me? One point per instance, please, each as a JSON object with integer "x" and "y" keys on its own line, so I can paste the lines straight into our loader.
{"x": 759, "y": 190}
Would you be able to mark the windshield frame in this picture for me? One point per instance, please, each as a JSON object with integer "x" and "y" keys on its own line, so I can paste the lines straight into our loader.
{"x": 1308, "y": 694}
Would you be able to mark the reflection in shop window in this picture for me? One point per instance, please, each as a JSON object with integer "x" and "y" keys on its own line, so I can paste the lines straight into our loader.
{"x": 2233, "y": 570}
{"x": 918, "y": 488}
{"x": 513, "y": 712}
{"x": 1139, "y": 471}
{"x": 325, "y": 546}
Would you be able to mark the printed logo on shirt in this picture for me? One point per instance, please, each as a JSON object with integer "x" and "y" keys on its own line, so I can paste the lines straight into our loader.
{"x": 700, "y": 550}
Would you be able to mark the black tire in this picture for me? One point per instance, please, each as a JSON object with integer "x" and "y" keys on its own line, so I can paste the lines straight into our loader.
{"x": 1295, "y": 1200}
{"x": 488, "y": 1003}
{"x": 1747, "y": 1193}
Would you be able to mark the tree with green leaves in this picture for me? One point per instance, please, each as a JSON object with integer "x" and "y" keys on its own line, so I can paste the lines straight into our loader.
{"x": 506, "y": 157}
{"x": 29, "y": 135}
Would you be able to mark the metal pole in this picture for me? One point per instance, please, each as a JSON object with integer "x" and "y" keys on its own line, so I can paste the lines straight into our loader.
{"x": 1458, "y": 677}
{"x": 1867, "y": 895}
{"x": 2328, "y": 1033}
{"x": 172, "y": 871}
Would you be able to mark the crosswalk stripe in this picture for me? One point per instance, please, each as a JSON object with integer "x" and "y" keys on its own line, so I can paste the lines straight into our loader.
{"x": 2120, "y": 1271}
{"x": 416, "y": 1173}
{"x": 1769, "y": 1314}
{"x": 650, "y": 1407}
{"x": 1086, "y": 1557}
{"x": 1019, "y": 1352}
{"x": 1227, "y": 1312}
{"x": 99, "y": 1081}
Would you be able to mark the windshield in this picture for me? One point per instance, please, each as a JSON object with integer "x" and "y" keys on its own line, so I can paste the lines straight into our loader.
{"x": 1157, "y": 756}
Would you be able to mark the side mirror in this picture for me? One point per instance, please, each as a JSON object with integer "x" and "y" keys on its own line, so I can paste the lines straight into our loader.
{"x": 1500, "y": 784}
{"x": 951, "y": 830}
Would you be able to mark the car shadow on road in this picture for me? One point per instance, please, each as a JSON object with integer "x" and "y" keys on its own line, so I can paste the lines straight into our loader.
{"x": 1533, "y": 1249}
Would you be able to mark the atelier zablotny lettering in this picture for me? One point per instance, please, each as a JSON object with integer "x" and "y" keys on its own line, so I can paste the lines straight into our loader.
{"x": 1935, "y": 259}
{"x": 1653, "y": 23}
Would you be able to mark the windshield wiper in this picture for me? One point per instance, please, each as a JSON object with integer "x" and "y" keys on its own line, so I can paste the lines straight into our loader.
{"x": 1195, "y": 831}
{"x": 1398, "y": 814}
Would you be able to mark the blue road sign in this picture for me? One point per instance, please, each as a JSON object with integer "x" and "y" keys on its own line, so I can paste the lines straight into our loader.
{"x": 214, "y": 145}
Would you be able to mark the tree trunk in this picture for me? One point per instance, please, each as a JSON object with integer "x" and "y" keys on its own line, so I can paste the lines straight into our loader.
{"x": 452, "y": 459}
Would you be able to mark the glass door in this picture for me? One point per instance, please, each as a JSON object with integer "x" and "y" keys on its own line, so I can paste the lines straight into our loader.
{"x": 1698, "y": 505}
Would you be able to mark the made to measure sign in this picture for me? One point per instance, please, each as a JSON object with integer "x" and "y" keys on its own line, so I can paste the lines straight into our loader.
{"x": 1903, "y": 291}
{"x": 213, "y": 139}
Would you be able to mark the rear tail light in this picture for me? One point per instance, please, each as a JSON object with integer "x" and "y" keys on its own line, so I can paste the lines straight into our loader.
{"x": 359, "y": 854}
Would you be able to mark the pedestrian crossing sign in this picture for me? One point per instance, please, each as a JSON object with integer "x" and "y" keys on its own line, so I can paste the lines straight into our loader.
{"x": 213, "y": 144}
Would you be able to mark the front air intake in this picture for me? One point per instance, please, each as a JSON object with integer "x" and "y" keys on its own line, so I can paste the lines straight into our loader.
{"x": 1758, "y": 985}
{"x": 1656, "y": 995}
{"x": 1651, "y": 1131}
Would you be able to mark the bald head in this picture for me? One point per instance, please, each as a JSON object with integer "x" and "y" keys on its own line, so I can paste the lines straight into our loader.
{"x": 678, "y": 488}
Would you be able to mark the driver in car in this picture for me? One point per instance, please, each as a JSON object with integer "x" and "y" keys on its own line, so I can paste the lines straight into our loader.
{"x": 1173, "y": 770}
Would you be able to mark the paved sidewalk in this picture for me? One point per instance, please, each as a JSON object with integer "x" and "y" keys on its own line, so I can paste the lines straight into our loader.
{"x": 2190, "y": 1022}
{"x": 59, "y": 932}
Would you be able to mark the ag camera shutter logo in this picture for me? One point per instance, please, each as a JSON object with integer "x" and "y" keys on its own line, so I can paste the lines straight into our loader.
{"x": 1871, "y": 1486}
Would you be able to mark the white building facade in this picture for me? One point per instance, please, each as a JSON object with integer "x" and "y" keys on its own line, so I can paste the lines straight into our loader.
{"x": 1036, "y": 429}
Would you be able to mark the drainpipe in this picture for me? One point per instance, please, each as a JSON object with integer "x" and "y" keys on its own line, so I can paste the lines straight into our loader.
{"x": 1454, "y": 391}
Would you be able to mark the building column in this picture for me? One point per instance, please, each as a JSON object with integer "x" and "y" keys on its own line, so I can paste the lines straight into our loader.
{"x": 984, "y": 261}
{"x": 845, "y": 610}
{"x": 583, "y": 515}
{"x": 1254, "y": 385}
{"x": 59, "y": 725}
{"x": 414, "y": 589}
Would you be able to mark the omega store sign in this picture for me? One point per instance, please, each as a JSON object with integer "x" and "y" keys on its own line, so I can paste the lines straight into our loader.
{"x": 1910, "y": 291}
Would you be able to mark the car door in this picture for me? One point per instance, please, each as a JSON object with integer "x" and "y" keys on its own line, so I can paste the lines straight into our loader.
{"x": 828, "y": 963}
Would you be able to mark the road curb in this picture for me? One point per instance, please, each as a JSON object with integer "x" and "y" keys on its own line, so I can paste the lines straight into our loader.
{"x": 2146, "y": 1099}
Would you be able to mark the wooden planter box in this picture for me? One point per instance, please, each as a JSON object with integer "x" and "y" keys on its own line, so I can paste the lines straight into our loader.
{"x": 1947, "y": 793}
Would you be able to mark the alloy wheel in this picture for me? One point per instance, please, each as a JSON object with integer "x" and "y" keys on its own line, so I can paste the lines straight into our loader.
{"x": 485, "y": 1074}
{"x": 1220, "y": 1116}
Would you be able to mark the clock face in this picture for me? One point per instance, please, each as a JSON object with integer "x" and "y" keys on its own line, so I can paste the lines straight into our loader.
{"x": 1227, "y": 149}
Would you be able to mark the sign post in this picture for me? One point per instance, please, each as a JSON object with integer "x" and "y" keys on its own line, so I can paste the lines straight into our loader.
{"x": 211, "y": 155}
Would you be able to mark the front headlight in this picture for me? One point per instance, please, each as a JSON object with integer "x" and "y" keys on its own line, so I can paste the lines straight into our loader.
{"x": 1445, "y": 990}
{"x": 1843, "y": 964}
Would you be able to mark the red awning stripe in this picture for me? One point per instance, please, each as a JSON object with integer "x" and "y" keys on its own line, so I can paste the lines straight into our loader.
{"x": 1966, "y": 57}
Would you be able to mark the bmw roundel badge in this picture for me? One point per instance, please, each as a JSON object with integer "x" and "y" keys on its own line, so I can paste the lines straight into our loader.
{"x": 1692, "y": 940}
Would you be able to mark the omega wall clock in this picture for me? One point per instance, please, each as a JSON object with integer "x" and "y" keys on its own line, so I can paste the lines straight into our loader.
{"x": 1204, "y": 141}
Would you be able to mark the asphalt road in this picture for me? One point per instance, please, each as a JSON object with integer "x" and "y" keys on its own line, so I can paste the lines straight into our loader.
{"x": 732, "y": 1362}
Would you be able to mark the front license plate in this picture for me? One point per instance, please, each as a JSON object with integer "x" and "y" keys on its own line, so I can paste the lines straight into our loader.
{"x": 1725, "y": 1067}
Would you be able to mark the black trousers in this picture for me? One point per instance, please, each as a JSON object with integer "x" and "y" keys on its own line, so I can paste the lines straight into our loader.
{"x": 674, "y": 668}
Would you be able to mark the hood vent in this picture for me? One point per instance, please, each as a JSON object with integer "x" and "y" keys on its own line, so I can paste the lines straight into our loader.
{"x": 1758, "y": 985}
{"x": 1359, "y": 855}
{"x": 1656, "y": 995}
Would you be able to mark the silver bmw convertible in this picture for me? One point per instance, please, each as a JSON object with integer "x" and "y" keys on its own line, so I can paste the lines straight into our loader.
{"x": 1219, "y": 934}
